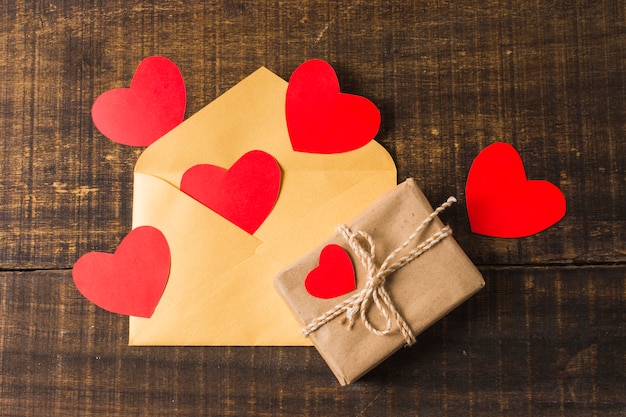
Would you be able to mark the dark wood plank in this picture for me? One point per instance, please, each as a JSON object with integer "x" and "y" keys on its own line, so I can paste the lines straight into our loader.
{"x": 535, "y": 341}
{"x": 449, "y": 77}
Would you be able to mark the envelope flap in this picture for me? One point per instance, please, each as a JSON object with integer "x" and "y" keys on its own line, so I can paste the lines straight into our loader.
{"x": 249, "y": 116}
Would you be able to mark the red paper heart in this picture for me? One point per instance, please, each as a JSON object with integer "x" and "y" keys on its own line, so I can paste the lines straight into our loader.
{"x": 334, "y": 276}
{"x": 501, "y": 202}
{"x": 130, "y": 281}
{"x": 245, "y": 194}
{"x": 320, "y": 119}
{"x": 152, "y": 106}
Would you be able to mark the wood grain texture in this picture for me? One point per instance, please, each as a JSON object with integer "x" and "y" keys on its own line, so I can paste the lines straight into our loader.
{"x": 450, "y": 78}
{"x": 544, "y": 338}
{"x": 536, "y": 341}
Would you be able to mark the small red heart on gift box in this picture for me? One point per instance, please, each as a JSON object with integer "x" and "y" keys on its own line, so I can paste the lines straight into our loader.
{"x": 245, "y": 194}
{"x": 334, "y": 276}
{"x": 502, "y": 202}
{"x": 152, "y": 106}
{"x": 130, "y": 281}
{"x": 320, "y": 119}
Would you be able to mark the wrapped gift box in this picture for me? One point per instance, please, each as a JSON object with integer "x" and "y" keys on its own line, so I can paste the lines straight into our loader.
{"x": 422, "y": 291}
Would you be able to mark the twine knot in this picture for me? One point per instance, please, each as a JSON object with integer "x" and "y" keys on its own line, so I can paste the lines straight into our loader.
{"x": 375, "y": 290}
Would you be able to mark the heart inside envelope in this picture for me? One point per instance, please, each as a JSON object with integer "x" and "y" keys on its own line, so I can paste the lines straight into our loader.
{"x": 245, "y": 194}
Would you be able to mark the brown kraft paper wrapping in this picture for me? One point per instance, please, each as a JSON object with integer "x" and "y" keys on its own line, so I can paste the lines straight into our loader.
{"x": 423, "y": 291}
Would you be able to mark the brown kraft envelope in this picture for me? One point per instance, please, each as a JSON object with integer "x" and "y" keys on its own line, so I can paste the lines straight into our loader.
{"x": 423, "y": 291}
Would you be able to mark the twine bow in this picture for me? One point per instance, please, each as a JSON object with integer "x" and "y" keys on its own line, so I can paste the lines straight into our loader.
{"x": 375, "y": 291}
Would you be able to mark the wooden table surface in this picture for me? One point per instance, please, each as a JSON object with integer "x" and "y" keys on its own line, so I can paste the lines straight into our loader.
{"x": 546, "y": 336}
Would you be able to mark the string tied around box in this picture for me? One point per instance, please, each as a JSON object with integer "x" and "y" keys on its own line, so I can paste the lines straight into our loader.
{"x": 375, "y": 291}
